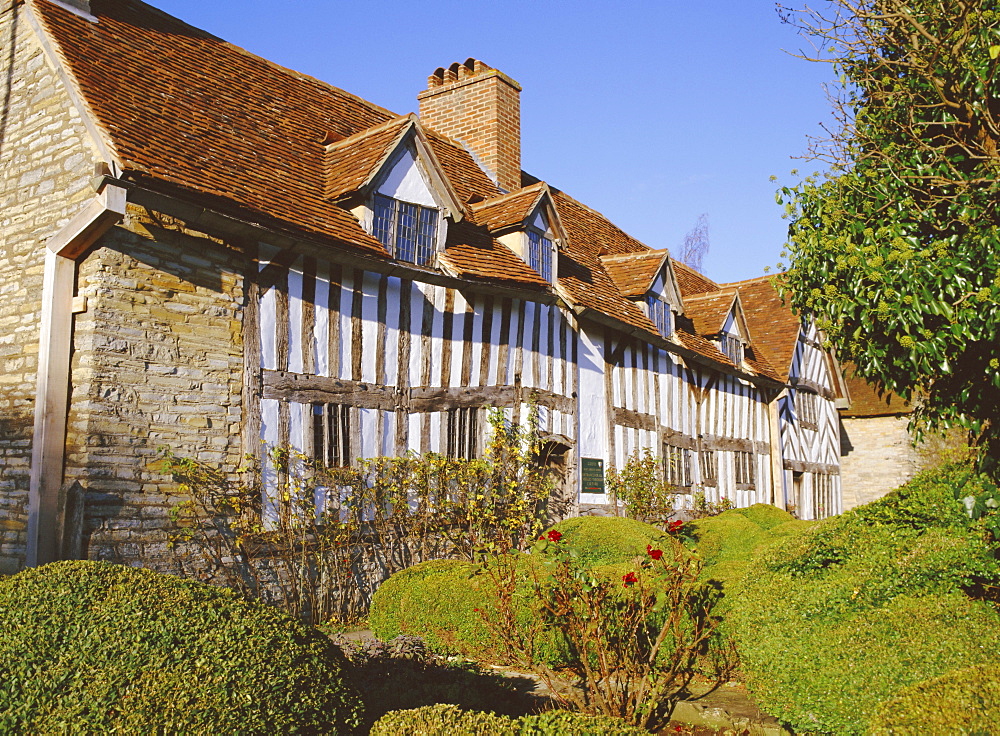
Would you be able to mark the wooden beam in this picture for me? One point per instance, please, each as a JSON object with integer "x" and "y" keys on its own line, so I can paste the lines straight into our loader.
{"x": 55, "y": 342}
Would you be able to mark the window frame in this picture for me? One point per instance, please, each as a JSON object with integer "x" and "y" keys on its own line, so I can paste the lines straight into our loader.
{"x": 733, "y": 347}
{"x": 744, "y": 470}
{"x": 676, "y": 466}
{"x": 463, "y": 438}
{"x": 708, "y": 465}
{"x": 660, "y": 314}
{"x": 332, "y": 436}
{"x": 541, "y": 253}
{"x": 418, "y": 236}
{"x": 807, "y": 409}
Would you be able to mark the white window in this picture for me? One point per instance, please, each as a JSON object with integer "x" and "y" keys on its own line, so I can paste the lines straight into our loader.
{"x": 408, "y": 231}
{"x": 676, "y": 466}
{"x": 332, "y": 434}
{"x": 745, "y": 470}
{"x": 540, "y": 250}
{"x": 463, "y": 433}
{"x": 732, "y": 347}
{"x": 658, "y": 310}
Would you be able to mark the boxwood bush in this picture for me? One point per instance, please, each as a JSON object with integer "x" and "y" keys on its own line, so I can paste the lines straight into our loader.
{"x": 838, "y": 618}
{"x": 448, "y": 720}
{"x": 963, "y": 701}
{"x": 438, "y": 600}
{"x": 89, "y": 647}
{"x": 729, "y": 541}
{"x": 610, "y": 540}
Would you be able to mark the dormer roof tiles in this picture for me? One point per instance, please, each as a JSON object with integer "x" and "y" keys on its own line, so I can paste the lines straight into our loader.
{"x": 508, "y": 210}
{"x": 351, "y": 162}
{"x": 634, "y": 273}
{"x": 775, "y": 326}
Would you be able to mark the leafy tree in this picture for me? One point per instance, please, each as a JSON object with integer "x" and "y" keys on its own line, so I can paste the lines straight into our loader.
{"x": 897, "y": 248}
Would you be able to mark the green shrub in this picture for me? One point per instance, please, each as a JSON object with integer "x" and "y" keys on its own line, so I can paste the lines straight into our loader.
{"x": 445, "y": 720}
{"x": 89, "y": 647}
{"x": 437, "y": 601}
{"x": 964, "y": 701}
{"x": 609, "y": 540}
{"x": 834, "y": 620}
{"x": 829, "y": 675}
{"x": 726, "y": 537}
{"x": 564, "y": 723}
{"x": 442, "y": 720}
{"x": 763, "y": 515}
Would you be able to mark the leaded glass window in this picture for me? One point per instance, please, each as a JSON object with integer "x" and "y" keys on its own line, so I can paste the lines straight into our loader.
{"x": 407, "y": 230}
{"x": 540, "y": 254}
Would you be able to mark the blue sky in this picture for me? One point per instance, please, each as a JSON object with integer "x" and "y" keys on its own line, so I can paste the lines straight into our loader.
{"x": 651, "y": 112}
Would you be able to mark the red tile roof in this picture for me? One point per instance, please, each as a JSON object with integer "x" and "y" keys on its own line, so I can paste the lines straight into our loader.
{"x": 708, "y": 312}
{"x": 773, "y": 325}
{"x": 471, "y": 253}
{"x": 185, "y": 108}
{"x": 188, "y": 112}
{"x": 353, "y": 161}
{"x": 868, "y": 400}
{"x": 508, "y": 210}
{"x": 691, "y": 282}
{"x": 633, "y": 273}
{"x": 582, "y": 277}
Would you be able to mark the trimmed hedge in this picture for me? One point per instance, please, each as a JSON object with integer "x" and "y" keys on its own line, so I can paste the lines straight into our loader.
{"x": 963, "y": 701}
{"x": 610, "y": 540}
{"x": 437, "y": 600}
{"x": 837, "y": 619}
{"x": 445, "y": 720}
{"x": 729, "y": 541}
{"x": 89, "y": 647}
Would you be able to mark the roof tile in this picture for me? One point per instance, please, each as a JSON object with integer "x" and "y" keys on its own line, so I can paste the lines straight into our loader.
{"x": 633, "y": 273}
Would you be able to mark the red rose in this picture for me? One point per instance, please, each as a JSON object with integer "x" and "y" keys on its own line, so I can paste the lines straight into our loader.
{"x": 654, "y": 553}
{"x": 675, "y": 526}
{"x": 555, "y": 536}
{"x": 629, "y": 579}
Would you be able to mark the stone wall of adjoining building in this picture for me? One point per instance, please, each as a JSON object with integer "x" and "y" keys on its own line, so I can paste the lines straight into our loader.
{"x": 46, "y": 161}
{"x": 158, "y": 364}
{"x": 877, "y": 454}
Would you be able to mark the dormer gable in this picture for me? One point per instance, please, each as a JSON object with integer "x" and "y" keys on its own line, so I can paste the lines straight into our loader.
{"x": 527, "y": 222}
{"x": 647, "y": 278}
{"x": 718, "y": 316}
{"x": 390, "y": 179}
{"x": 734, "y": 336}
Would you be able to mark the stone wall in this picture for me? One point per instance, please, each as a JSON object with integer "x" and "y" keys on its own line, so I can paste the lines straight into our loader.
{"x": 877, "y": 454}
{"x": 46, "y": 160}
{"x": 158, "y": 362}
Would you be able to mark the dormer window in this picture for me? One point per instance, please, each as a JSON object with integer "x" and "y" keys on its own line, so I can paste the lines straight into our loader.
{"x": 540, "y": 253}
{"x": 408, "y": 231}
{"x": 658, "y": 310}
{"x": 732, "y": 347}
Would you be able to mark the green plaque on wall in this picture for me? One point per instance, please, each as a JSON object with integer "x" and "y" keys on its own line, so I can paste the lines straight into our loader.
{"x": 592, "y": 472}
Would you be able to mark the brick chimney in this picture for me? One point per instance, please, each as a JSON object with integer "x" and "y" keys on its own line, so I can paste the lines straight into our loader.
{"x": 480, "y": 107}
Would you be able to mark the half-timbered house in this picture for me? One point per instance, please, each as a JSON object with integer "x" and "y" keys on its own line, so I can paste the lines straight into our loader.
{"x": 206, "y": 251}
